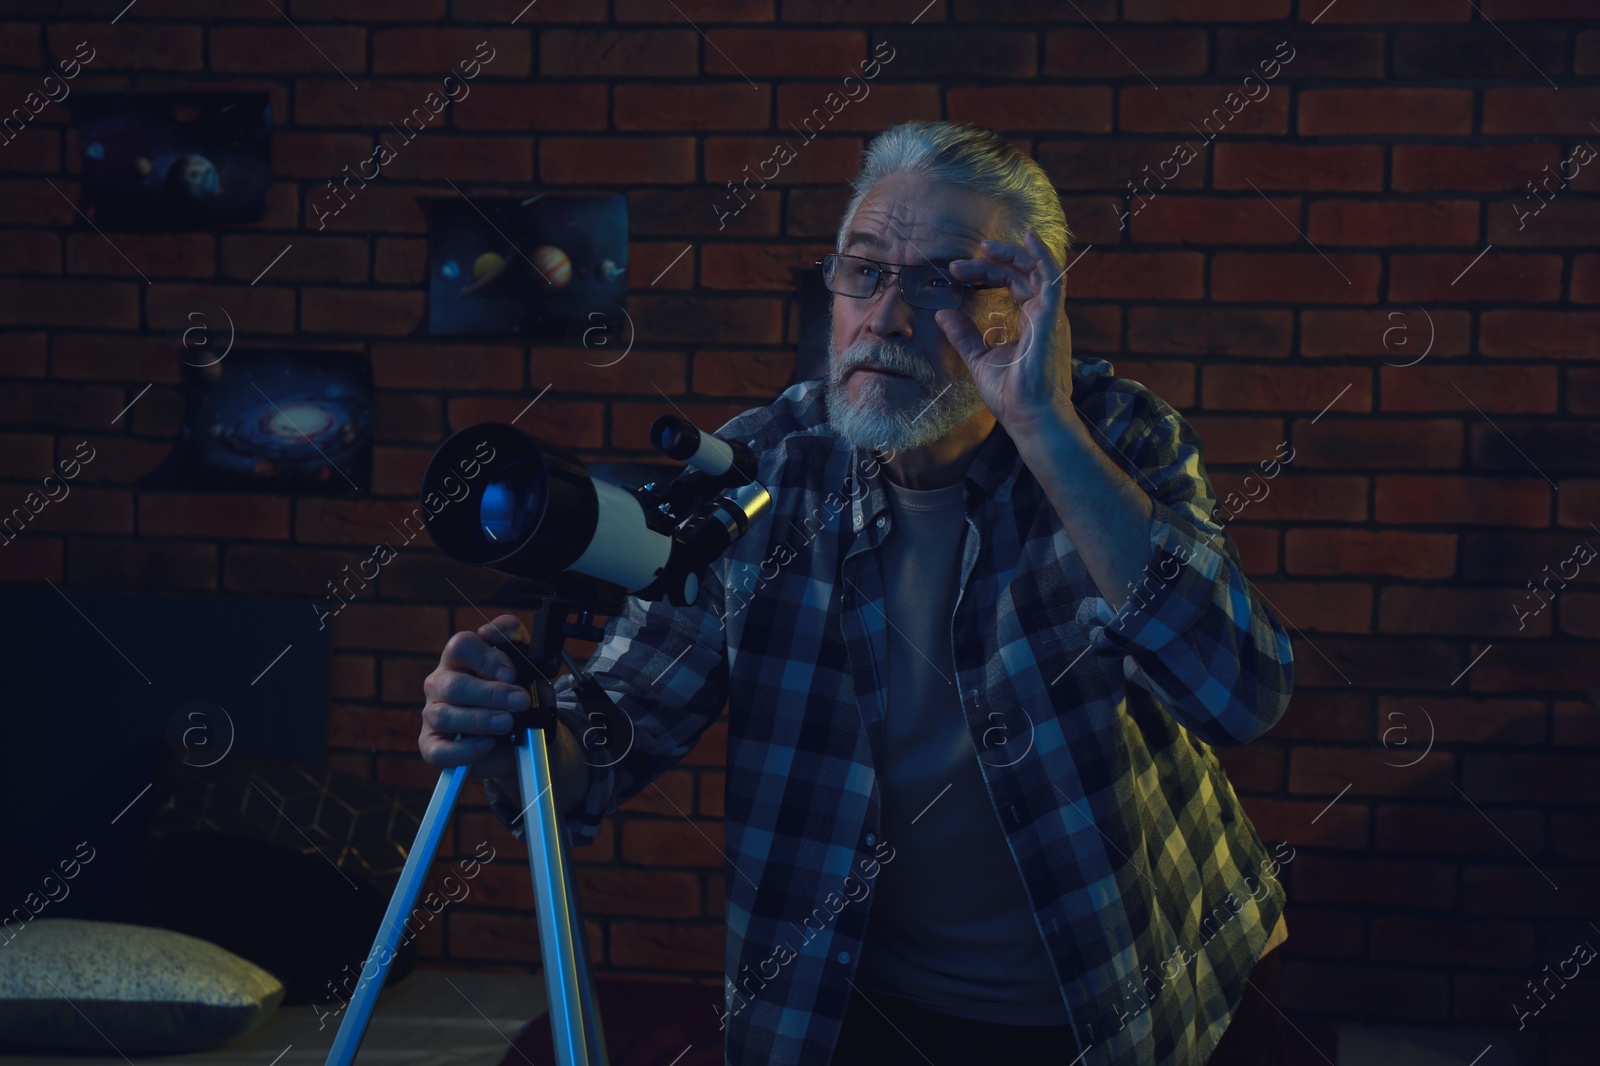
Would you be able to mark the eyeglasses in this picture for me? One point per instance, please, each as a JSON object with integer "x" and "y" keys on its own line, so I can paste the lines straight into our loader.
{"x": 927, "y": 287}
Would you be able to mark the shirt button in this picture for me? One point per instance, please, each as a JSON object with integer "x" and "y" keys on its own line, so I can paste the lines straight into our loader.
{"x": 844, "y": 956}
{"x": 880, "y": 521}
{"x": 871, "y": 840}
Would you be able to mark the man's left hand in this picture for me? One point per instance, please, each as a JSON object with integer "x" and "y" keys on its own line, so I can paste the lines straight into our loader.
{"x": 1027, "y": 381}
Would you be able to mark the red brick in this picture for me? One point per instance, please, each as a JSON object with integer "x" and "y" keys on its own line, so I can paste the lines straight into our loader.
{"x": 524, "y": 108}
{"x": 119, "y": 563}
{"x": 248, "y": 516}
{"x": 1463, "y": 500}
{"x": 1587, "y": 62}
{"x": 657, "y": 108}
{"x": 24, "y": 354}
{"x": 607, "y": 370}
{"x": 1320, "y": 498}
{"x": 1358, "y": 551}
{"x": 1382, "y": 11}
{"x": 130, "y": 45}
{"x": 1343, "y": 112}
{"x": 1365, "y": 992}
{"x": 1393, "y": 444}
{"x": 1380, "y": 882}
{"x": 742, "y": 373}
{"x": 752, "y": 266}
{"x": 35, "y": 252}
{"x": 444, "y": 51}
{"x": 1137, "y": 275}
{"x": 1022, "y": 107}
{"x": 1496, "y": 777}
{"x": 1369, "y": 772}
{"x": 446, "y": 366}
{"x": 671, "y": 946}
{"x": 333, "y": 520}
{"x": 1320, "y": 607}
{"x": 408, "y": 417}
{"x": 245, "y": 256}
{"x": 1084, "y": 53}
{"x": 155, "y": 255}
{"x": 389, "y": 627}
{"x": 1319, "y": 715}
{"x": 616, "y": 160}
{"x": 19, "y": 44}
{"x": 830, "y": 160}
{"x": 1274, "y": 388}
{"x": 1487, "y": 168}
{"x": 1451, "y": 942}
{"x": 1540, "y": 334}
{"x": 1513, "y": 666}
{"x": 712, "y": 788}
{"x": 364, "y": 311}
{"x": 637, "y": 893}
{"x": 1580, "y": 615}
{"x": 1236, "y": 440}
{"x": 257, "y": 309}
{"x": 351, "y": 677}
{"x": 1198, "y": 220}
{"x": 1298, "y": 167}
{"x": 1295, "y": 277}
{"x": 655, "y": 53}
{"x": 575, "y": 425}
{"x": 31, "y": 557}
{"x": 374, "y": 208}
{"x": 1520, "y": 888}
{"x": 1201, "y": 11}
{"x": 1204, "y": 111}
{"x": 1459, "y": 388}
{"x": 1463, "y": 612}
{"x": 98, "y": 357}
{"x": 1173, "y": 382}
{"x": 1524, "y": 111}
{"x": 58, "y": 405}
{"x": 1110, "y": 165}
{"x": 1586, "y": 279}
{"x": 1252, "y": 767}
{"x": 400, "y": 262}
{"x": 1368, "y": 222}
{"x": 672, "y": 842}
{"x": 1461, "y": 721}
{"x": 1456, "y": 831}
{"x": 280, "y": 49}
{"x": 1495, "y": 277}
{"x": 29, "y": 302}
{"x": 463, "y": 159}
{"x": 1211, "y": 331}
{"x": 1342, "y": 827}
{"x": 670, "y": 794}
{"x": 1327, "y": 934}
{"x": 1481, "y": 51}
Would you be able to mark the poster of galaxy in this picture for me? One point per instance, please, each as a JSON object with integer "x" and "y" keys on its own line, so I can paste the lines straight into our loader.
{"x": 280, "y": 421}
{"x": 169, "y": 161}
{"x": 538, "y": 266}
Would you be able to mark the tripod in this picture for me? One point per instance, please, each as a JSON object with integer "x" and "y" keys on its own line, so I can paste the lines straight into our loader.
{"x": 574, "y": 1015}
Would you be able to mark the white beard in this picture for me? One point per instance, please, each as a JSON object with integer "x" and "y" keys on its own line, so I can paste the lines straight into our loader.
{"x": 876, "y": 423}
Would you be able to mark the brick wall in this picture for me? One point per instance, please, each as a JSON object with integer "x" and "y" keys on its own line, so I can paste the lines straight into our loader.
{"x": 1345, "y": 258}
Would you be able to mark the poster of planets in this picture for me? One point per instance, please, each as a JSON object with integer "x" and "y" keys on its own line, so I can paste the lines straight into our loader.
{"x": 170, "y": 161}
{"x": 280, "y": 420}
{"x": 538, "y": 266}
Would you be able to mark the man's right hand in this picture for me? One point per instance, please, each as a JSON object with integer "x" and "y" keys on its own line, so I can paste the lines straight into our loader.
{"x": 470, "y": 694}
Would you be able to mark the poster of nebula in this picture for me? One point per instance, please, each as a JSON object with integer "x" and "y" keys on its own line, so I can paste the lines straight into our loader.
{"x": 280, "y": 420}
{"x": 537, "y": 266}
{"x": 170, "y": 161}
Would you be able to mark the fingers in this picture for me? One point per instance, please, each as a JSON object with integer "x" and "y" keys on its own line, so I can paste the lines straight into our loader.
{"x": 450, "y": 720}
{"x": 469, "y": 652}
{"x": 503, "y": 628}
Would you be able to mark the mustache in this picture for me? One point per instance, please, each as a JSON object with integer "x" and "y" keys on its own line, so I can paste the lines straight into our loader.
{"x": 889, "y": 359}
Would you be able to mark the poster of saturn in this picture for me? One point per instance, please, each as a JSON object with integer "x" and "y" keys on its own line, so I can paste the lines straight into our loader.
{"x": 537, "y": 266}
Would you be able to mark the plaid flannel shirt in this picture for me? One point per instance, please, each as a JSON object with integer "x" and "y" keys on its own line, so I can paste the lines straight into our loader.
{"x": 1151, "y": 889}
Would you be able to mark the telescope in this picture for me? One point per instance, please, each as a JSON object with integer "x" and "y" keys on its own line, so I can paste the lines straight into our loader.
{"x": 498, "y": 497}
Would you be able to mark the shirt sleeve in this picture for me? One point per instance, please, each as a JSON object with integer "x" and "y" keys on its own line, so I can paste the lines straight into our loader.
{"x": 1193, "y": 630}
{"x": 665, "y": 669}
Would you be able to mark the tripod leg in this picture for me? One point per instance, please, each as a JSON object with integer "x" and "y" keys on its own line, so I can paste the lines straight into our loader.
{"x": 574, "y": 1017}
{"x": 434, "y": 825}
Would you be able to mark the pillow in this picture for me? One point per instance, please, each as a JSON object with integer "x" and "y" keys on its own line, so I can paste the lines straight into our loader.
{"x": 77, "y": 985}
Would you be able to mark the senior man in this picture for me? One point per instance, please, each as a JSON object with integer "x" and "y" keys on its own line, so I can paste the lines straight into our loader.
{"x": 975, "y": 662}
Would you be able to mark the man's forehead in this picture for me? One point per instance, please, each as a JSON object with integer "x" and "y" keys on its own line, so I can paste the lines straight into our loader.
{"x": 938, "y": 250}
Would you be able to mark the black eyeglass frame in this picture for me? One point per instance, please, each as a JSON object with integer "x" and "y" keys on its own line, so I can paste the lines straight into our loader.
{"x": 965, "y": 288}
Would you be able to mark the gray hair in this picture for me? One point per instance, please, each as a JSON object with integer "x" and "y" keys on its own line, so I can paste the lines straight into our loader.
{"x": 970, "y": 156}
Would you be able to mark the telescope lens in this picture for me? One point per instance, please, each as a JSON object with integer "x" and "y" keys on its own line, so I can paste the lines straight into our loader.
{"x": 512, "y": 505}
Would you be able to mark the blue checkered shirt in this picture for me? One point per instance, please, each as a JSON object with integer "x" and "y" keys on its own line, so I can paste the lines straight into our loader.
{"x": 1095, "y": 729}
